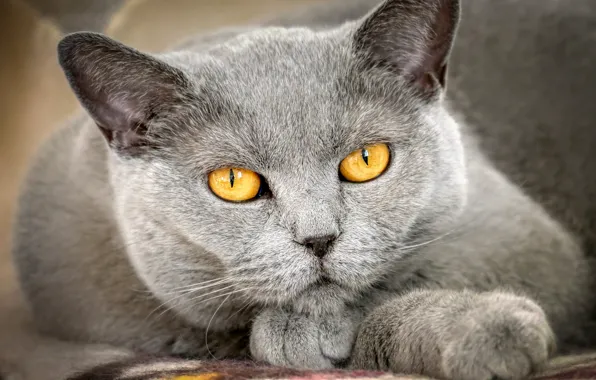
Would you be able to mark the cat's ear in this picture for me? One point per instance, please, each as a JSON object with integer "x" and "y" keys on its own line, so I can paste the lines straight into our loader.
{"x": 122, "y": 89}
{"x": 411, "y": 37}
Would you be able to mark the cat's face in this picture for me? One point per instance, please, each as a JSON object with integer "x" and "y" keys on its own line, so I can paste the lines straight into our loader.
{"x": 290, "y": 106}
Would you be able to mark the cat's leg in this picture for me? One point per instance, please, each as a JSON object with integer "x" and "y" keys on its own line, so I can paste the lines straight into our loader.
{"x": 460, "y": 335}
{"x": 287, "y": 338}
{"x": 489, "y": 296}
{"x": 145, "y": 328}
{"x": 98, "y": 297}
{"x": 121, "y": 313}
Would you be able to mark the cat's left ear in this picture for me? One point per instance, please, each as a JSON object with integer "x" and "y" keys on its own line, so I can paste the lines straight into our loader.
{"x": 122, "y": 89}
{"x": 413, "y": 38}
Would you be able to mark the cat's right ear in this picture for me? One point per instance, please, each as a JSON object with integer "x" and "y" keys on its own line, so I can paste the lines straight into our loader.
{"x": 411, "y": 38}
{"x": 121, "y": 88}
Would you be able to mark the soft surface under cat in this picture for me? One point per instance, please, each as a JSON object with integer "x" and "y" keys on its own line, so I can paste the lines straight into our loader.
{"x": 328, "y": 195}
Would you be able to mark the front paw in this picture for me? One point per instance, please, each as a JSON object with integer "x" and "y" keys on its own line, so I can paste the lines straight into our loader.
{"x": 290, "y": 339}
{"x": 503, "y": 337}
{"x": 456, "y": 335}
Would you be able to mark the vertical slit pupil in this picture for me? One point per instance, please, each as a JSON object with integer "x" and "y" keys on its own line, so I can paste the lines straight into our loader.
{"x": 261, "y": 187}
{"x": 232, "y": 177}
{"x": 365, "y": 156}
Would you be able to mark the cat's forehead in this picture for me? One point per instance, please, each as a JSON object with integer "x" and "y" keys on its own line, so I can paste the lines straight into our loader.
{"x": 277, "y": 67}
{"x": 285, "y": 98}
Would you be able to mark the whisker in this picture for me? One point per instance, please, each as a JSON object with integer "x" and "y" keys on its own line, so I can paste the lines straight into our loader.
{"x": 210, "y": 299}
{"x": 460, "y": 228}
{"x": 208, "y": 293}
{"x": 215, "y": 297}
{"x": 169, "y": 308}
{"x": 201, "y": 283}
{"x": 188, "y": 288}
{"x": 196, "y": 289}
{"x": 218, "y": 296}
{"x": 418, "y": 245}
{"x": 209, "y": 325}
{"x": 246, "y": 304}
{"x": 161, "y": 305}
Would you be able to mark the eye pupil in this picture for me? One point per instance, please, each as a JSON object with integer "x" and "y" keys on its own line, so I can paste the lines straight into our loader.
{"x": 365, "y": 156}
{"x": 231, "y": 177}
{"x": 262, "y": 188}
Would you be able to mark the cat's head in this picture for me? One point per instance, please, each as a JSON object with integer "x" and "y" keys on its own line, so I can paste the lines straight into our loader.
{"x": 299, "y": 163}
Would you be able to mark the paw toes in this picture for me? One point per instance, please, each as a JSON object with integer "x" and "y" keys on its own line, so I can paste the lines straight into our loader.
{"x": 513, "y": 366}
{"x": 301, "y": 345}
{"x": 288, "y": 340}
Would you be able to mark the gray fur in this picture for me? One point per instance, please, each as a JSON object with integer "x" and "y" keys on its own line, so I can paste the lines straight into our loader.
{"x": 463, "y": 260}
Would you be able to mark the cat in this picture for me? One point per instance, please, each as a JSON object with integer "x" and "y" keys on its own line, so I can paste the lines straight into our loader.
{"x": 366, "y": 184}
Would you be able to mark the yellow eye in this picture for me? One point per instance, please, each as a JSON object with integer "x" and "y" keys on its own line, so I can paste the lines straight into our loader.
{"x": 365, "y": 164}
{"x": 234, "y": 184}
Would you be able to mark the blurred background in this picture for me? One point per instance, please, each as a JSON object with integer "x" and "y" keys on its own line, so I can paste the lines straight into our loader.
{"x": 35, "y": 98}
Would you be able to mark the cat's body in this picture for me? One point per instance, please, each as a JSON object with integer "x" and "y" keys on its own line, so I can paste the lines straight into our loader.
{"x": 506, "y": 201}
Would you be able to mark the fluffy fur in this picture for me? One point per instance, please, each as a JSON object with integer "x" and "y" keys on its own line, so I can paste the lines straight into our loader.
{"x": 464, "y": 260}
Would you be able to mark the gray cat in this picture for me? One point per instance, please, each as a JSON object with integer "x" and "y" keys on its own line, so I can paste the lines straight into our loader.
{"x": 314, "y": 194}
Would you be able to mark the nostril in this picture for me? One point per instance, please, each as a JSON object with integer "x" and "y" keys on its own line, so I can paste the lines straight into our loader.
{"x": 319, "y": 245}
{"x": 320, "y": 252}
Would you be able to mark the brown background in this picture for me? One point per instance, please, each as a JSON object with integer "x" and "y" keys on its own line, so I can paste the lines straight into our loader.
{"x": 34, "y": 99}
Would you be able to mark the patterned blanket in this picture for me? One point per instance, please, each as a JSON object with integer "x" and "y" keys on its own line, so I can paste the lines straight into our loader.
{"x": 564, "y": 368}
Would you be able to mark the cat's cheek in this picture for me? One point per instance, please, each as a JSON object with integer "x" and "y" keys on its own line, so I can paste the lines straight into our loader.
{"x": 363, "y": 255}
{"x": 225, "y": 230}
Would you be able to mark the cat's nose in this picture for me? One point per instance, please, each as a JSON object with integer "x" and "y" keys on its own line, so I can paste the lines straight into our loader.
{"x": 318, "y": 245}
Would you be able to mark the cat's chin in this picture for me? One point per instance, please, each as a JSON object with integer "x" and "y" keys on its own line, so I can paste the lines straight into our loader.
{"x": 323, "y": 297}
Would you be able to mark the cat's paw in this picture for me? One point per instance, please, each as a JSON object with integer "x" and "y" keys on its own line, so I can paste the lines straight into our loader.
{"x": 504, "y": 337}
{"x": 456, "y": 335}
{"x": 295, "y": 340}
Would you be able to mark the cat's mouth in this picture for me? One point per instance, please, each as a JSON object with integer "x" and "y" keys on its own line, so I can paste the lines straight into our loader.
{"x": 324, "y": 280}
